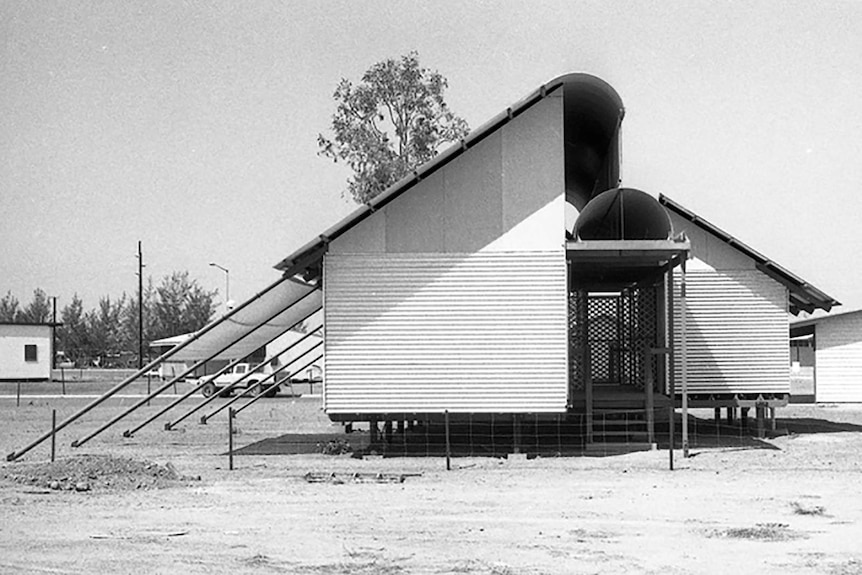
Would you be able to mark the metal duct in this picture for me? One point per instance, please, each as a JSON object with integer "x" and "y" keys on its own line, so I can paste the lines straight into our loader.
{"x": 593, "y": 112}
{"x": 623, "y": 214}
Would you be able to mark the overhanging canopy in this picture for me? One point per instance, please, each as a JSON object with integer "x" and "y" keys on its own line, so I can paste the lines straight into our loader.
{"x": 616, "y": 264}
{"x": 250, "y": 328}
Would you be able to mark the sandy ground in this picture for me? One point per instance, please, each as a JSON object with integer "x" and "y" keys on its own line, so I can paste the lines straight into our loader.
{"x": 792, "y": 504}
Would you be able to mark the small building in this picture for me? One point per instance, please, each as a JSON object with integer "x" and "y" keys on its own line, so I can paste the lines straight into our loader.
{"x": 26, "y": 350}
{"x": 513, "y": 275}
{"x": 827, "y": 352}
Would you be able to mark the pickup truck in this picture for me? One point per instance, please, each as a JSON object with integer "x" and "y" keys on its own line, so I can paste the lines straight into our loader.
{"x": 260, "y": 372}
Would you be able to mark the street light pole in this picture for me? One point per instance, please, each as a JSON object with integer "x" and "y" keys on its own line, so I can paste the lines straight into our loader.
{"x": 226, "y": 283}
{"x": 140, "y": 307}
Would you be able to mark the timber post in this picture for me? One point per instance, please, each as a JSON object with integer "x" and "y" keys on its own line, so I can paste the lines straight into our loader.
{"x": 649, "y": 384}
{"x": 671, "y": 414}
{"x": 516, "y": 434}
{"x": 684, "y": 348}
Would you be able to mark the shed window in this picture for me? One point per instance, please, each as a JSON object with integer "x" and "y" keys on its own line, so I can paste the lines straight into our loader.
{"x": 30, "y": 353}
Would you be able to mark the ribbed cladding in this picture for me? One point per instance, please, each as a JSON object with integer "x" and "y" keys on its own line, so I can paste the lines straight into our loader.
{"x": 838, "y": 363}
{"x": 737, "y": 333}
{"x": 475, "y": 333}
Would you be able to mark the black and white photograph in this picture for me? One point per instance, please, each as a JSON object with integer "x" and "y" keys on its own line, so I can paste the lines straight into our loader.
{"x": 382, "y": 288}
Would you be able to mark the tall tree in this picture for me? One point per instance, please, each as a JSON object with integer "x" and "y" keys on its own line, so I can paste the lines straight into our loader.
{"x": 38, "y": 310}
{"x": 130, "y": 318}
{"x": 104, "y": 327}
{"x": 9, "y": 308}
{"x": 72, "y": 336}
{"x": 389, "y": 123}
{"x": 108, "y": 334}
{"x": 181, "y": 306}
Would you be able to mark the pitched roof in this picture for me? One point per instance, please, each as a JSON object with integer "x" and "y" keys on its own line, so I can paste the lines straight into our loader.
{"x": 809, "y": 321}
{"x": 803, "y": 295}
{"x": 309, "y": 255}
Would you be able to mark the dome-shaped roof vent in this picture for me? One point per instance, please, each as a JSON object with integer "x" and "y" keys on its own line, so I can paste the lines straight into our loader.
{"x": 623, "y": 214}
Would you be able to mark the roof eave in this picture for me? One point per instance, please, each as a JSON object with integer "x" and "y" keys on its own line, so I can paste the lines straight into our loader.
{"x": 803, "y": 295}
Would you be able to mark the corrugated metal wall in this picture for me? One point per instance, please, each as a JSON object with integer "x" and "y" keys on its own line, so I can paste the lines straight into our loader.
{"x": 838, "y": 363}
{"x": 430, "y": 332}
{"x": 737, "y": 333}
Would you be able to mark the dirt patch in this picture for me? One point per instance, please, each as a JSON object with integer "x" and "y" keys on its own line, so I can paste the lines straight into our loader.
{"x": 730, "y": 509}
{"x": 95, "y": 472}
{"x": 760, "y": 532}
{"x": 804, "y": 509}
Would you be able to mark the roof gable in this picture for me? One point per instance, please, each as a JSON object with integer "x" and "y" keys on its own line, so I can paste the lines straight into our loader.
{"x": 594, "y": 92}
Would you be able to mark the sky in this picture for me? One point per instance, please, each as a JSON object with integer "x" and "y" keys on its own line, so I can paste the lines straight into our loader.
{"x": 192, "y": 127}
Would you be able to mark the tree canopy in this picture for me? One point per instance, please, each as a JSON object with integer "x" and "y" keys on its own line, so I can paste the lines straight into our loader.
{"x": 392, "y": 121}
{"x": 175, "y": 306}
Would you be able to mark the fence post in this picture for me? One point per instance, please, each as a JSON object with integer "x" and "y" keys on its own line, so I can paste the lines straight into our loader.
{"x": 53, "y": 434}
{"x": 649, "y": 386}
{"x": 230, "y": 439}
{"x": 448, "y": 453}
{"x": 559, "y": 436}
{"x": 672, "y": 413}
{"x": 18, "y": 395}
{"x": 63, "y": 379}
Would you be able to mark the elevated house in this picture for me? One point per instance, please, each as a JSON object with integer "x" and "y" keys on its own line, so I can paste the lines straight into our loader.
{"x": 513, "y": 275}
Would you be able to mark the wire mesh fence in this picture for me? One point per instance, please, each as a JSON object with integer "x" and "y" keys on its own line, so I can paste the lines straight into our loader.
{"x": 541, "y": 435}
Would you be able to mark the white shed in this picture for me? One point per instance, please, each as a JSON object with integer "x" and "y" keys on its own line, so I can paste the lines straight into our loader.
{"x": 25, "y": 351}
{"x": 836, "y": 340}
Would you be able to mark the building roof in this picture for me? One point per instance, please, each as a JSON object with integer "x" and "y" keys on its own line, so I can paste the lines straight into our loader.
{"x": 590, "y": 87}
{"x": 809, "y": 321}
{"x": 803, "y": 295}
{"x": 308, "y": 258}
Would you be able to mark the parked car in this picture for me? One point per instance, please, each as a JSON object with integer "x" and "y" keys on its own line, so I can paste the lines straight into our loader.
{"x": 237, "y": 372}
{"x": 63, "y": 361}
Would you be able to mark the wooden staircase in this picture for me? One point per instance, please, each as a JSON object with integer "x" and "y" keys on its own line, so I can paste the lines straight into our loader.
{"x": 619, "y": 421}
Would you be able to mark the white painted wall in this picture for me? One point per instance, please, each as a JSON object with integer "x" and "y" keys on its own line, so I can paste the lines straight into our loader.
{"x": 431, "y": 332}
{"x": 13, "y": 338}
{"x": 838, "y": 358}
{"x": 507, "y": 193}
{"x": 737, "y": 323}
{"x": 453, "y": 296}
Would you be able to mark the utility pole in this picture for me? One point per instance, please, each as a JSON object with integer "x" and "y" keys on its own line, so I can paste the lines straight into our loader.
{"x": 140, "y": 307}
{"x": 54, "y": 332}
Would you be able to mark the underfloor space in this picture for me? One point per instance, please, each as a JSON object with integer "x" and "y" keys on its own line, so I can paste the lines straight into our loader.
{"x": 537, "y": 435}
